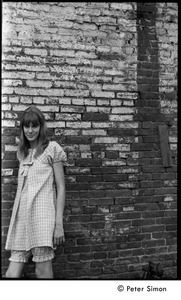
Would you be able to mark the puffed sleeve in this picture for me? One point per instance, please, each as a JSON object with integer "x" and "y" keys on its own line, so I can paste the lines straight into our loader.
{"x": 57, "y": 153}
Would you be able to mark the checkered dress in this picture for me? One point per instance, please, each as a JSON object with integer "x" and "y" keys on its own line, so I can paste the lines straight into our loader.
{"x": 33, "y": 217}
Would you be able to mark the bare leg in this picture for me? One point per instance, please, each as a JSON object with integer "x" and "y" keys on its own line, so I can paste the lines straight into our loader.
{"x": 44, "y": 269}
{"x": 15, "y": 269}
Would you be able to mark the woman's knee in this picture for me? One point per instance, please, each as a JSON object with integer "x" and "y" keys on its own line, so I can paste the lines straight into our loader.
{"x": 14, "y": 270}
{"x": 12, "y": 274}
{"x": 44, "y": 270}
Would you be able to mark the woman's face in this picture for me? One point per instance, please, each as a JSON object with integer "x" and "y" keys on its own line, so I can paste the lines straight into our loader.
{"x": 31, "y": 132}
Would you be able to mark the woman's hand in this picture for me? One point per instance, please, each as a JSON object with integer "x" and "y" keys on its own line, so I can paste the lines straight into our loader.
{"x": 58, "y": 237}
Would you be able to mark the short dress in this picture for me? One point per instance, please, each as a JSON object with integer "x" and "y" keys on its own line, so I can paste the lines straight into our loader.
{"x": 33, "y": 216}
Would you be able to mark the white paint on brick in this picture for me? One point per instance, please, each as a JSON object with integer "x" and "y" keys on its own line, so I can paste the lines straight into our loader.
{"x": 121, "y": 118}
{"x": 136, "y": 140}
{"x": 135, "y": 155}
{"x": 128, "y": 103}
{"x": 77, "y": 93}
{"x": 105, "y": 110}
{"x": 86, "y": 154}
{"x": 7, "y": 123}
{"x": 19, "y": 75}
{"x": 86, "y": 102}
{"x": 123, "y": 110}
{"x": 133, "y": 177}
{"x": 119, "y": 147}
{"x": 113, "y": 163}
{"x": 128, "y": 125}
{"x": 25, "y": 91}
{"x": 78, "y": 61}
{"x": 34, "y": 6}
{"x": 4, "y": 99}
{"x": 7, "y": 172}
{"x": 127, "y": 170}
{"x": 116, "y": 102}
{"x": 169, "y": 198}
{"x": 114, "y": 87}
{"x": 52, "y": 100}
{"x": 62, "y": 53}
{"x": 64, "y": 101}
{"x": 169, "y": 104}
{"x": 26, "y": 100}
{"x": 90, "y": 71}
{"x": 63, "y": 70}
{"x": 102, "y": 64}
{"x": 100, "y": 94}
{"x": 84, "y": 148}
{"x": 19, "y": 107}
{"x": 7, "y": 90}
{"x": 82, "y": 54}
{"x": 114, "y": 72}
{"x": 105, "y": 140}
{"x": 11, "y": 82}
{"x": 10, "y": 115}
{"x": 38, "y": 100}
{"x": 123, "y": 155}
{"x": 78, "y": 124}
{"x": 48, "y": 116}
{"x": 170, "y": 183}
{"x": 46, "y": 108}
{"x": 67, "y": 117}
{"x": 65, "y": 84}
{"x": 11, "y": 148}
{"x": 127, "y": 95}
{"x": 55, "y": 124}
{"x": 78, "y": 101}
{"x": 31, "y": 51}
{"x": 128, "y": 185}
{"x": 128, "y": 208}
{"x": 51, "y": 92}
{"x": 94, "y": 132}
{"x": 14, "y": 99}
{"x": 103, "y": 102}
{"x": 103, "y": 124}
{"x": 121, "y": 6}
{"x": 173, "y": 147}
{"x": 72, "y": 109}
{"x": 94, "y": 87}
{"x": 67, "y": 132}
{"x": 6, "y": 106}
{"x": 168, "y": 111}
{"x": 39, "y": 84}
{"x": 173, "y": 139}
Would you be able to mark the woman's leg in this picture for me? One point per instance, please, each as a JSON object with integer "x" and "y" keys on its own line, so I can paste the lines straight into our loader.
{"x": 43, "y": 256}
{"x": 15, "y": 269}
{"x": 44, "y": 269}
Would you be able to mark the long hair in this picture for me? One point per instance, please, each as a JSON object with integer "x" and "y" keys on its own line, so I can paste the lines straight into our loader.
{"x": 32, "y": 115}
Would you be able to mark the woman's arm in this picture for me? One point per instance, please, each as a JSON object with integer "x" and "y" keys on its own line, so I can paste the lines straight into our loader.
{"x": 60, "y": 203}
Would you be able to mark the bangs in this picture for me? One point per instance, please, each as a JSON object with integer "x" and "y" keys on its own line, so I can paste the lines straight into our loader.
{"x": 31, "y": 117}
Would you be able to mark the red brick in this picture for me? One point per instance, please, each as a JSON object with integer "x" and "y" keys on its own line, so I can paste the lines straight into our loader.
{"x": 95, "y": 117}
{"x": 88, "y": 162}
{"x": 80, "y": 218}
{"x": 109, "y": 170}
{"x": 100, "y": 255}
{"x": 115, "y": 178}
{"x": 89, "y": 178}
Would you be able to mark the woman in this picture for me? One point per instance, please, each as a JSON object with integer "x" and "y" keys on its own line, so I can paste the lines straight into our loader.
{"x": 36, "y": 225}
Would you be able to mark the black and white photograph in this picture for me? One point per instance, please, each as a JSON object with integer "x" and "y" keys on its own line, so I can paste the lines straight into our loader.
{"x": 89, "y": 145}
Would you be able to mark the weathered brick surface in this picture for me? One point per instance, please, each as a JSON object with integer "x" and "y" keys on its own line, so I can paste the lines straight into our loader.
{"x": 105, "y": 77}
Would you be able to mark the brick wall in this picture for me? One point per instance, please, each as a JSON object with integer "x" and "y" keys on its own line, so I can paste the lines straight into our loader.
{"x": 105, "y": 77}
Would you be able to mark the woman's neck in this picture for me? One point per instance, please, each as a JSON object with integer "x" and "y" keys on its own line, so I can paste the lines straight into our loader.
{"x": 33, "y": 145}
